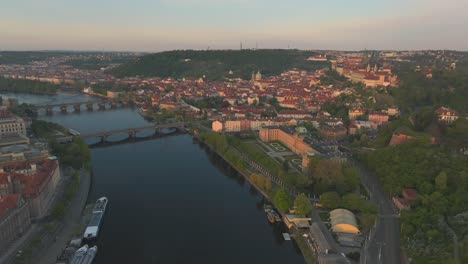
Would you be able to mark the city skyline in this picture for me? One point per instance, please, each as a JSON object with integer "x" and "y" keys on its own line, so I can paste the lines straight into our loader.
{"x": 151, "y": 26}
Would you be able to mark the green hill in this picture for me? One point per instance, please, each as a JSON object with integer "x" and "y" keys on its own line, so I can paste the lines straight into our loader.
{"x": 216, "y": 64}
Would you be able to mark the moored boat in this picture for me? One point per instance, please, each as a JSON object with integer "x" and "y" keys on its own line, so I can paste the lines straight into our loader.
{"x": 92, "y": 230}
{"x": 90, "y": 255}
{"x": 79, "y": 255}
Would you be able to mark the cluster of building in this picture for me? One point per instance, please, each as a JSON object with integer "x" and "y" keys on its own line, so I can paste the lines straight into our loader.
{"x": 351, "y": 66}
{"x": 29, "y": 176}
{"x": 12, "y": 129}
{"x": 447, "y": 115}
{"x": 57, "y": 69}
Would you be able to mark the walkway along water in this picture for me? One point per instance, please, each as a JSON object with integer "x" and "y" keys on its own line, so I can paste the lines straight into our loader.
{"x": 256, "y": 168}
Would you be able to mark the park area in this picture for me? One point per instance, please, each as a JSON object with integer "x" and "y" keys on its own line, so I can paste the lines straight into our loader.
{"x": 277, "y": 146}
{"x": 264, "y": 155}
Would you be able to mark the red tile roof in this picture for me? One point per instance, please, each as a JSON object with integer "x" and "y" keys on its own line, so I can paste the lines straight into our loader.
{"x": 7, "y": 203}
{"x": 409, "y": 193}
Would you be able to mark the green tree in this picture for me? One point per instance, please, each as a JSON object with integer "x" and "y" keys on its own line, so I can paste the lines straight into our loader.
{"x": 457, "y": 134}
{"x": 351, "y": 178}
{"x": 352, "y": 201}
{"x": 329, "y": 172}
{"x": 363, "y": 140}
{"x": 441, "y": 181}
{"x": 422, "y": 118}
{"x": 282, "y": 200}
{"x": 330, "y": 200}
{"x": 302, "y": 204}
{"x": 267, "y": 185}
{"x": 285, "y": 165}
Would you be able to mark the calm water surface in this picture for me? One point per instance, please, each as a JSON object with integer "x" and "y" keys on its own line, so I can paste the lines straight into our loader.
{"x": 171, "y": 201}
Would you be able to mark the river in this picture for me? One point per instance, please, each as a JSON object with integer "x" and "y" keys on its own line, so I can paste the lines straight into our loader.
{"x": 170, "y": 201}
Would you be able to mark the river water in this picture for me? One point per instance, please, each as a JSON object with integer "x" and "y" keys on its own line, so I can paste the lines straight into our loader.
{"x": 170, "y": 201}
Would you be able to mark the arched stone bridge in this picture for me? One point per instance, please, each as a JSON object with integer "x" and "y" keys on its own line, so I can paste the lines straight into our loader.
{"x": 101, "y": 105}
{"x": 103, "y": 135}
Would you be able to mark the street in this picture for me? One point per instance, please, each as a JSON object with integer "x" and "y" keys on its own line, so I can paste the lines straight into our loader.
{"x": 384, "y": 244}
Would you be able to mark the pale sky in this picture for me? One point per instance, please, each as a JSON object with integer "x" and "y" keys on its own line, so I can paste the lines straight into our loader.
{"x": 156, "y": 25}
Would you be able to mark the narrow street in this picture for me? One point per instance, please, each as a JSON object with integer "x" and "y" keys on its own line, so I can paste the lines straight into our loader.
{"x": 384, "y": 243}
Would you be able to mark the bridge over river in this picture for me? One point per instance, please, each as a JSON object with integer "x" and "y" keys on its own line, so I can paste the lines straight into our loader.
{"x": 132, "y": 132}
{"x": 90, "y": 105}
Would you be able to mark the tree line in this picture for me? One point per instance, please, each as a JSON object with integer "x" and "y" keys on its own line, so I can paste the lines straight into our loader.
{"x": 217, "y": 64}
{"x": 27, "y": 86}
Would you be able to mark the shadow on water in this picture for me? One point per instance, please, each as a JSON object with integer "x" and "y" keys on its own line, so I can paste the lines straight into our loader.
{"x": 223, "y": 166}
{"x": 129, "y": 140}
{"x": 226, "y": 169}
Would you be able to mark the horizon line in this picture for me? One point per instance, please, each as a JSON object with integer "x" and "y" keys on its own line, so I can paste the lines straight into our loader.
{"x": 226, "y": 49}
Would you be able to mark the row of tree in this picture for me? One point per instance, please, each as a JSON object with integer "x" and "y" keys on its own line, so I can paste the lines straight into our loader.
{"x": 332, "y": 175}
{"x": 27, "y": 86}
{"x": 75, "y": 154}
{"x": 301, "y": 204}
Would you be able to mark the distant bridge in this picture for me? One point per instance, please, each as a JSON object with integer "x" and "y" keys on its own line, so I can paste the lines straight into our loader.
{"x": 132, "y": 132}
{"x": 101, "y": 105}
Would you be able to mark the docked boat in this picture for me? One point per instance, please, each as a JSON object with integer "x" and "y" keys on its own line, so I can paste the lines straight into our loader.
{"x": 271, "y": 218}
{"x": 92, "y": 230}
{"x": 79, "y": 255}
{"x": 277, "y": 217}
{"x": 89, "y": 258}
{"x": 271, "y": 213}
{"x": 267, "y": 208}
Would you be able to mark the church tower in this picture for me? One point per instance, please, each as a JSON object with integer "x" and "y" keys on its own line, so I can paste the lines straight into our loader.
{"x": 258, "y": 76}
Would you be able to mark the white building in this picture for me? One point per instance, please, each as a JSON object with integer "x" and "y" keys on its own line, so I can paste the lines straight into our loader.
{"x": 10, "y": 125}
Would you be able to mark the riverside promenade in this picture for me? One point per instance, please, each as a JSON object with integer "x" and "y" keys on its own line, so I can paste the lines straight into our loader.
{"x": 71, "y": 223}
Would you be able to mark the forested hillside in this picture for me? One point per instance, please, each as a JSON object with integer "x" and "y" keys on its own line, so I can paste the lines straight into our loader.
{"x": 446, "y": 87}
{"x": 217, "y": 64}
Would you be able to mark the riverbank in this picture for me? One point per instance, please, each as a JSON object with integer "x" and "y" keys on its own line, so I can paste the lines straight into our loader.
{"x": 247, "y": 173}
{"x": 47, "y": 237}
{"x": 72, "y": 222}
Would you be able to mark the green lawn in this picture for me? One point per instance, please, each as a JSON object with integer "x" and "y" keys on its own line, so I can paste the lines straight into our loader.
{"x": 256, "y": 153}
{"x": 431, "y": 260}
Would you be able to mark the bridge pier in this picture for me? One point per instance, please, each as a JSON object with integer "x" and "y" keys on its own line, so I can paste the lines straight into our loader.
{"x": 89, "y": 106}
{"x": 63, "y": 108}
{"x": 104, "y": 138}
{"x": 132, "y": 134}
{"x": 113, "y": 105}
{"x": 49, "y": 110}
{"x": 77, "y": 107}
{"x": 102, "y": 106}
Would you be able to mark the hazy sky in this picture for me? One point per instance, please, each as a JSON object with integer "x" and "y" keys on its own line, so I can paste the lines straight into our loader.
{"x": 154, "y": 25}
